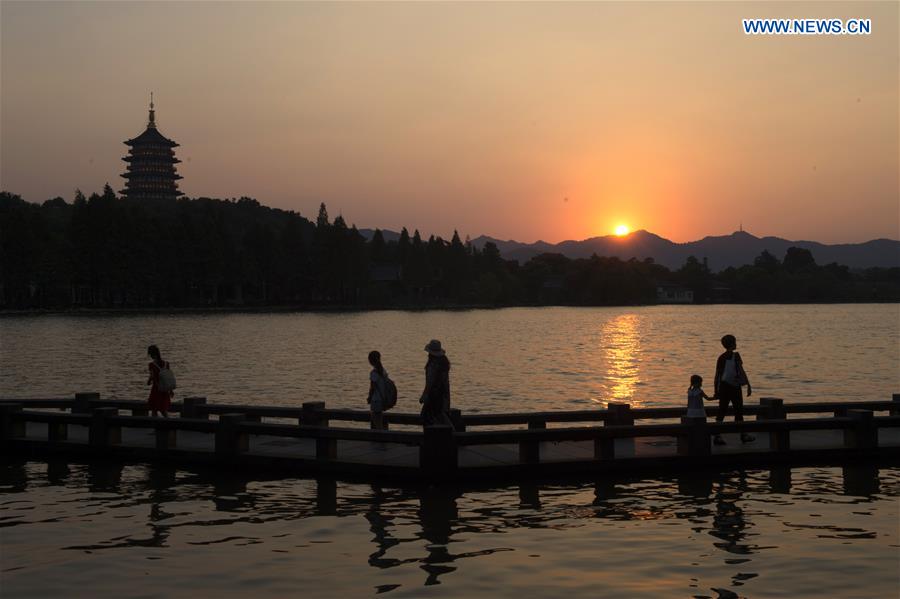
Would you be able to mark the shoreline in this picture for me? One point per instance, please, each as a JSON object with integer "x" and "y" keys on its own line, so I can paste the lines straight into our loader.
{"x": 312, "y": 309}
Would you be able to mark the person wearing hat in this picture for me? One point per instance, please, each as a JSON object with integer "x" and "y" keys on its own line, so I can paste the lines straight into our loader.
{"x": 436, "y": 396}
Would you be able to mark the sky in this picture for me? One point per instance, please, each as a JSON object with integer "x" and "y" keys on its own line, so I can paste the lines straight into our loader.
{"x": 526, "y": 121}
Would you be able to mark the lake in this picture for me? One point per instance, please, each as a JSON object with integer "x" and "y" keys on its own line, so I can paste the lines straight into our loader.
{"x": 103, "y": 529}
{"x": 106, "y": 530}
{"x": 512, "y": 359}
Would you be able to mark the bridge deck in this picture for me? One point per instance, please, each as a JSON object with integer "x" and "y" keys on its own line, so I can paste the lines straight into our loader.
{"x": 363, "y": 453}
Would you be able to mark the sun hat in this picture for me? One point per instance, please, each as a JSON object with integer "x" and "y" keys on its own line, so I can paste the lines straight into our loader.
{"x": 434, "y": 348}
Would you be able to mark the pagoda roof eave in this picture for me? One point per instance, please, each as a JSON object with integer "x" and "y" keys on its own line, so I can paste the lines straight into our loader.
{"x": 149, "y": 136}
{"x": 154, "y": 159}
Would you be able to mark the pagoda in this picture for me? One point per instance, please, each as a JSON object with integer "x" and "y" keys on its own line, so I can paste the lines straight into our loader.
{"x": 151, "y": 164}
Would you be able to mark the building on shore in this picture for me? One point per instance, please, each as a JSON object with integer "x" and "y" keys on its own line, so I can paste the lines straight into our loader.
{"x": 151, "y": 164}
{"x": 673, "y": 294}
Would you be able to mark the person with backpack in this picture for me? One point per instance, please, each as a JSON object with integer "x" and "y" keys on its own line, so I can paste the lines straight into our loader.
{"x": 730, "y": 377}
{"x": 436, "y": 396}
{"x": 162, "y": 383}
{"x": 382, "y": 391}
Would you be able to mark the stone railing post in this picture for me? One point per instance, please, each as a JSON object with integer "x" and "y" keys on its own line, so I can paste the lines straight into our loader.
{"x": 530, "y": 451}
{"x": 11, "y": 426}
{"x": 102, "y": 432}
{"x": 438, "y": 453}
{"x": 695, "y": 441}
{"x": 166, "y": 436}
{"x": 190, "y": 408}
{"x": 621, "y": 413}
{"x": 864, "y": 434}
{"x": 57, "y": 431}
{"x": 326, "y": 449}
{"x": 311, "y": 414}
{"x": 229, "y": 440}
{"x": 604, "y": 448}
{"x": 83, "y": 401}
{"x": 773, "y": 409}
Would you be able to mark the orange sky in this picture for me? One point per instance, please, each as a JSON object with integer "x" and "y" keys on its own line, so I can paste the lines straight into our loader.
{"x": 517, "y": 120}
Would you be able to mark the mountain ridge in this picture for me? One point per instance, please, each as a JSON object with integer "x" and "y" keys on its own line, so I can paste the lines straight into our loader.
{"x": 721, "y": 251}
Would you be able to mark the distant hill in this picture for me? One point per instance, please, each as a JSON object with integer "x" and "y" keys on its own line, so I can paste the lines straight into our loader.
{"x": 386, "y": 233}
{"x": 723, "y": 251}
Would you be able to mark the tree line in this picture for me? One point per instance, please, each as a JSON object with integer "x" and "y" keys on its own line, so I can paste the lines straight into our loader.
{"x": 104, "y": 251}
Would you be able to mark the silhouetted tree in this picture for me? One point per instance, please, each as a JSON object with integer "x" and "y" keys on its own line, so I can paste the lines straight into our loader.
{"x": 378, "y": 247}
{"x": 322, "y": 219}
{"x": 798, "y": 259}
{"x": 767, "y": 262}
{"x": 105, "y": 251}
{"x": 403, "y": 247}
{"x": 696, "y": 276}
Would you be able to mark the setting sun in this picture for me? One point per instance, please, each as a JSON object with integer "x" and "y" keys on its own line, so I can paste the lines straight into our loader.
{"x": 622, "y": 230}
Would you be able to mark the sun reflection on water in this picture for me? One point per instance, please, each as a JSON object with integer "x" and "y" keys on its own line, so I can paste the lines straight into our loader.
{"x": 621, "y": 347}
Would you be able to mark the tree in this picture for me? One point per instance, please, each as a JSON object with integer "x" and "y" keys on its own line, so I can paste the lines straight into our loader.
{"x": 378, "y": 247}
{"x": 106, "y": 251}
{"x": 491, "y": 256}
{"x": 403, "y": 246}
{"x": 322, "y": 219}
{"x": 108, "y": 193}
{"x": 767, "y": 262}
{"x": 696, "y": 275}
{"x": 798, "y": 259}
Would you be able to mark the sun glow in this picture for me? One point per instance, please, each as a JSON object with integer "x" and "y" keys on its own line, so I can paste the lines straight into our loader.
{"x": 622, "y": 230}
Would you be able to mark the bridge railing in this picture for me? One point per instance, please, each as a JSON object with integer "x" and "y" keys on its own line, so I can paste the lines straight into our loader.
{"x": 315, "y": 413}
{"x": 439, "y": 445}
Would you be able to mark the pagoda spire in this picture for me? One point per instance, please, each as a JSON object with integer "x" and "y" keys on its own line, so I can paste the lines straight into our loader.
{"x": 152, "y": 123}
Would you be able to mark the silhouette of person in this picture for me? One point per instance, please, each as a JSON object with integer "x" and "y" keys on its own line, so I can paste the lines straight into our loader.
{"x": 436, "y": 396}
{"x": 159, "y": 401}
{"x": 730, "y": 376}
{"x": 377, "y": 393}
{"x": 696, "y": 395}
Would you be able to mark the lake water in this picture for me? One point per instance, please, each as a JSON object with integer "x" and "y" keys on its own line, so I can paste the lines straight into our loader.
{"x": 101, "y": 529}
{"x": 502, "y": 360}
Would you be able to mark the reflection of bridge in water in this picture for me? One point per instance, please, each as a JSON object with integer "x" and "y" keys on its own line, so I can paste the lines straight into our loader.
{"x": 402, "y": 518}
{"x": 607, "y": 440}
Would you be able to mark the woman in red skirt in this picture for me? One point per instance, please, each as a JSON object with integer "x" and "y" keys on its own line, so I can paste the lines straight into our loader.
{"x": 159, "y": 401}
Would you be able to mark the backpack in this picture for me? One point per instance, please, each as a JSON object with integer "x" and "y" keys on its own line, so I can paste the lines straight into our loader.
{"x": 390, "y": 393}
{"x": 732, "y": 372}
{"x": 166, "y": 382}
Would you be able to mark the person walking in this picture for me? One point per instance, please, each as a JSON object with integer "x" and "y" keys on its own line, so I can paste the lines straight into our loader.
{"x": 730, "y": 377}
{"x": 378, "y": 391}
{"x": 435, "y": 398}
{"x": 161, "y": 387}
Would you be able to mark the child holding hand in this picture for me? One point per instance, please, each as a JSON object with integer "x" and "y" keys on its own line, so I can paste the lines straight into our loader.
{"x": 696, "y": 395}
